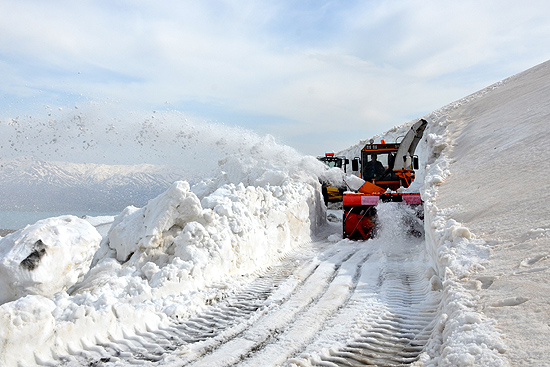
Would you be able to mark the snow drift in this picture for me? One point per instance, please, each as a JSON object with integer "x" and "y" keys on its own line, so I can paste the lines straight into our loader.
{"x": 154, "y": 260}
{"x": 234, "y": 230}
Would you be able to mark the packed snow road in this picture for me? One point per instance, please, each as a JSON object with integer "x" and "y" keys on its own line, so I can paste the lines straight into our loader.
{"x": 325, "y": 304}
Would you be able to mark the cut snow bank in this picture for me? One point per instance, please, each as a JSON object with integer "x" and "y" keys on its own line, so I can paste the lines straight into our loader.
{"x": 486, "y": 156}
{"x": 489, "y": 219}
{"x": 465, "y": 336}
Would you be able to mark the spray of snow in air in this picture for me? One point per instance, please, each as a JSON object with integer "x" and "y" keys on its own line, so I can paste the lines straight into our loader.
{"x": 103, "y": 158}
{"x": 102, "y": 133}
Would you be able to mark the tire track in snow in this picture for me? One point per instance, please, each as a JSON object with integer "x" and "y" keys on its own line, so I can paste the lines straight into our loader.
{"x": 206, "y": 331}
{"x": 303, "y": 328}
{"x": 325, "y": 282}
{"x": 392, "y": 313}
{"x": 368, "y": 308}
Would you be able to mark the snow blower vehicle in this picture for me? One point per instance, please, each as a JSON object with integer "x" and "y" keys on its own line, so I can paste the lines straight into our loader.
{"x": 332, "y": 193}
{"x": 388, "y": 169}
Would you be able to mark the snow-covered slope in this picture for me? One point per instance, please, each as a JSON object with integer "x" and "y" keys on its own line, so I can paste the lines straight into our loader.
{"x": 36, "y": 185}
{"x": 487, "y": 203}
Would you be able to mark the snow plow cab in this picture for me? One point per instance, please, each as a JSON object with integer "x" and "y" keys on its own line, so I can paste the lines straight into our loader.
{"x": 331, "y": 193}
{"x": 388, "y": 169}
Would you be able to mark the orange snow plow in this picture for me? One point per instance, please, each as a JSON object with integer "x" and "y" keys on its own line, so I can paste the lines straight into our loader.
{"x": 387, "y": 169}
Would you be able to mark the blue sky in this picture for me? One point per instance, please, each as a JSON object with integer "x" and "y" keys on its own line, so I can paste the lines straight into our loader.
{"x": 317, "y": 75}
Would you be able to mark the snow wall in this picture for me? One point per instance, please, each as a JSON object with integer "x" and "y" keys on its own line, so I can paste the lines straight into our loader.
{"x": 62, "y": 282}
{"x": 464, "y": 336}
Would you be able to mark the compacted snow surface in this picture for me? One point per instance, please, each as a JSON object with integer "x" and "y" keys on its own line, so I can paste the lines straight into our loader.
{"x": 246, "y": 268}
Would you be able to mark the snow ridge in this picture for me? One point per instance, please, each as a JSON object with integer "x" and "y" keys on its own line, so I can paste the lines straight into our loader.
{"x": 160, "y": 256}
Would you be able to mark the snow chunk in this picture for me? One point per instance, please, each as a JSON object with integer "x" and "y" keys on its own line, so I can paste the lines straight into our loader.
{"x": 47, "y": 257}
{"x": 143, "y": 228}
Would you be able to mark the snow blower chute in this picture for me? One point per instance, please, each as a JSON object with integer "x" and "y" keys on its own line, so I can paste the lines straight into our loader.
{"x": 387, "y": 169}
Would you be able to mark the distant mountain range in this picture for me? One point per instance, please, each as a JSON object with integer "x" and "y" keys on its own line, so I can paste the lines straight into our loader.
{"x": 30, "y": 184}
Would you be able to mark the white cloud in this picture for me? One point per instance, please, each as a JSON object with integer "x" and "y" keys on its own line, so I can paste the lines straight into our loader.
{"x": 359, "y": 65}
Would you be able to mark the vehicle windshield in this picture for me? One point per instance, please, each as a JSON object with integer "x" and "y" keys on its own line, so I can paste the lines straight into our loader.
{"x": 332, "y": 162}
{"x": 374, "y": 165}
